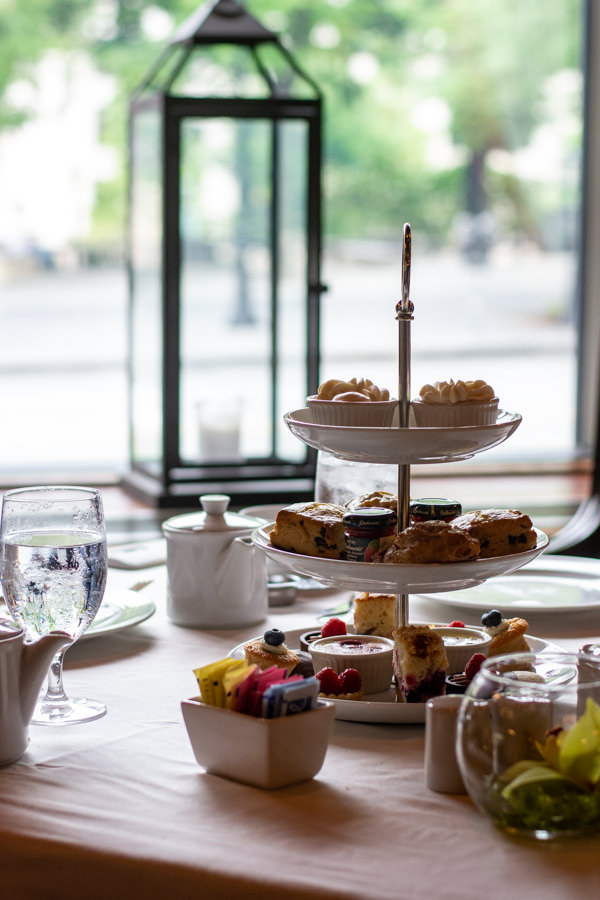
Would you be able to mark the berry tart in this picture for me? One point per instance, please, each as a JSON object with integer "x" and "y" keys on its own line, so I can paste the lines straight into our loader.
{"x": 345, "y": 686}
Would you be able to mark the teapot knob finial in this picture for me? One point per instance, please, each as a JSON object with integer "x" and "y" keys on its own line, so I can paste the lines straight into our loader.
{"x": 215, "y": 504}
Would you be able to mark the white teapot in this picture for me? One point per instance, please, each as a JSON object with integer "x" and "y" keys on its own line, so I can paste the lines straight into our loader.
{"x": 216, "y": 577}
{"x": 23, "y": 667}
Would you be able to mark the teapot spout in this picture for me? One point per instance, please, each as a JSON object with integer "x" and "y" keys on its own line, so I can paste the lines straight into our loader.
{"x": 35, "y": 660}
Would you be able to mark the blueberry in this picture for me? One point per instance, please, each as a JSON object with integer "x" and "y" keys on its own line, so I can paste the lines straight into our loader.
{"x": 491, "y": 618}
{"x": 274, "y": 637}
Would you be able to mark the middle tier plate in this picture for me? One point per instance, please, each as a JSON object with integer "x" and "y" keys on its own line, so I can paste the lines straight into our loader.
{"x": 401, "y": 446}
{"x": 398, "y": 578}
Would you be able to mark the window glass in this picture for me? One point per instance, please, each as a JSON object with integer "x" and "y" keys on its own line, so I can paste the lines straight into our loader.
{"x": 463, "y": 119}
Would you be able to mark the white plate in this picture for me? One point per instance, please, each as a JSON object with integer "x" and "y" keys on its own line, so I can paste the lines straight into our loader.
{"x": 405, "y": 446}
{"x": 381, "y": 708}
{"x": 552, "y": 584}
{"x": 119, "y": 609}
{"x": 397, "y": 578}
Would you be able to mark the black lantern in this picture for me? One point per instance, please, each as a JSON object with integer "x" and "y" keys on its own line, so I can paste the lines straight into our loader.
{"x": 224, "y": 264}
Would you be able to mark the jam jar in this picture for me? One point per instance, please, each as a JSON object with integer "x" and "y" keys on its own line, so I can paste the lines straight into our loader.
{"x": 364, "y": 530}
{"x": 426, "y": 508}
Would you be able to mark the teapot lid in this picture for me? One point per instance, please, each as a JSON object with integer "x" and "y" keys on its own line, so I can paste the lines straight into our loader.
{"x": 214, "y": 517}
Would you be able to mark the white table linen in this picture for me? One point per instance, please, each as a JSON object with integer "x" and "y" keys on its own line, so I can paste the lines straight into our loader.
{"x": 119, "y": 807}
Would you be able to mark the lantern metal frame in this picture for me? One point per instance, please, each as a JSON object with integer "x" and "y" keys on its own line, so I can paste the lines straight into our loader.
{"x": 170, "y": 481}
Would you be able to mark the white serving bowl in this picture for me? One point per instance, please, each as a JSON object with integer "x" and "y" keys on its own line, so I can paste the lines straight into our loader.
{"x": 461, "y": 644}
{"x": 266, "y": 753}
{"x": 338, "y": 653}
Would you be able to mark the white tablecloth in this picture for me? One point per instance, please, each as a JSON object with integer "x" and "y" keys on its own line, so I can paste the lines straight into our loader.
{"x": 119, "y": 807}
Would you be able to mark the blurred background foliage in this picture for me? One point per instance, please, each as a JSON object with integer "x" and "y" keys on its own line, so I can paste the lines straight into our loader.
{"x": 423, "y": 100}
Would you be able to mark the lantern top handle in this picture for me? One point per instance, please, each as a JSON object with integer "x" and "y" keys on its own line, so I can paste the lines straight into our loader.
{"x": 221, "y": 21}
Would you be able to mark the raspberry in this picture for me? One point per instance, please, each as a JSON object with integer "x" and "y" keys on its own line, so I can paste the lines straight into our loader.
{"x": 329, "y": 681}
{"x": 456, "y": 624}
{"x": 351, "y": 681}
{"x": 333, "y": 627}
{"x": 473, "y": 666}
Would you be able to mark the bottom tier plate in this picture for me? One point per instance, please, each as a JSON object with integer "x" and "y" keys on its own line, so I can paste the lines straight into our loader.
{"x": 381, "y": 708}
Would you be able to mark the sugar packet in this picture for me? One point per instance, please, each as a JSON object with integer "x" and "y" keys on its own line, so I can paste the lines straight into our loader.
{"x": 293, "y": 695}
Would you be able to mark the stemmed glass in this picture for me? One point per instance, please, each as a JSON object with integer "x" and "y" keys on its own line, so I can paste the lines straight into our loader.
{"x": 53, "y": 567}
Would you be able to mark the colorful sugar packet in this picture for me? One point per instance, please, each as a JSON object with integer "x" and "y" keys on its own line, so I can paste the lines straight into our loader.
{"x": 234, "y": 684}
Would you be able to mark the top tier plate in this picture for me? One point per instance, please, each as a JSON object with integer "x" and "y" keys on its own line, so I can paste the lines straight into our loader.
{"x": 401, "y": 446}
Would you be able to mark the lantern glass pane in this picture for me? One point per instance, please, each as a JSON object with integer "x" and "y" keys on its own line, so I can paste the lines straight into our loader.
{"x": 225, "y": 318}
{"x": 220, "y": 70}
{"x": 289, "y": 82}
{"x": 291, "y": 320}
{"x": 146, "y": 306}
{"x": 237, "y": 342}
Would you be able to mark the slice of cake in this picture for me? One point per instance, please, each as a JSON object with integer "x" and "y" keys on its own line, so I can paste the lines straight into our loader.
{"x": 375, "y": 614}
{"x": 420, "y": 663}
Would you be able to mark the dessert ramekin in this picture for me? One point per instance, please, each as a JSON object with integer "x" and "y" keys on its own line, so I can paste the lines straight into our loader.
{"x": 454, "y": 415}
{"x": 374, "y": 666}
{"x": 366, "y": 414}
{"x": 461, "y": 643}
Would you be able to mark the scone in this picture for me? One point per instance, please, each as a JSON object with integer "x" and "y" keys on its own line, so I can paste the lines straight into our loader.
{"x": 500, "y": 532}
{"x": 432, "y": 542}
{"x": 381, "y": 499}
{"x": 375, "y": 614}
{"x": 313, "y": 529}
{"x": 420, "y": 663}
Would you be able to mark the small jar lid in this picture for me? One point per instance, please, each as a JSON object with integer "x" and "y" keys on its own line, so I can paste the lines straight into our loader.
{"x": 370, "y": 517}
{"x": 434, "y": 507}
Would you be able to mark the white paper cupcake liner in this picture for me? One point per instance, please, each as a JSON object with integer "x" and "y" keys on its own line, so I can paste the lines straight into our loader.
{"x": 370, "y": 414}
{"x": 454, "y": 415}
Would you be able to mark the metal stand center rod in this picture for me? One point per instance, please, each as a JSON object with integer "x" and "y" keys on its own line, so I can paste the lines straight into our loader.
{"x": 404, "y": 315}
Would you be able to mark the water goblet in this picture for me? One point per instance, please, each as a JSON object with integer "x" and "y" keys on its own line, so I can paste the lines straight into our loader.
{"x": 53, "y": 567}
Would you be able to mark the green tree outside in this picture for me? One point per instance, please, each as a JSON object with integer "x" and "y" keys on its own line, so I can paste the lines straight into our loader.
{"x": 489, "y": 66}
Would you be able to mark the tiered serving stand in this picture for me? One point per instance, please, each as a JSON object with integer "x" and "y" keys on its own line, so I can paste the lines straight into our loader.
{"x": 401, "y": 445}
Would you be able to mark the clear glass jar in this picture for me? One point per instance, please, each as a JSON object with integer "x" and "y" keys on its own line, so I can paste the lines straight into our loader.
{"x": 528, "y": 743}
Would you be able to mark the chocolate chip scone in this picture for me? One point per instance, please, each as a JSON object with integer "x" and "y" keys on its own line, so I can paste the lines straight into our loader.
{"x": 431, "y": 542}
{"x": 381, "y": 499}
{"x": 313, "y": 529}
{"x": 500, "y": 532}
